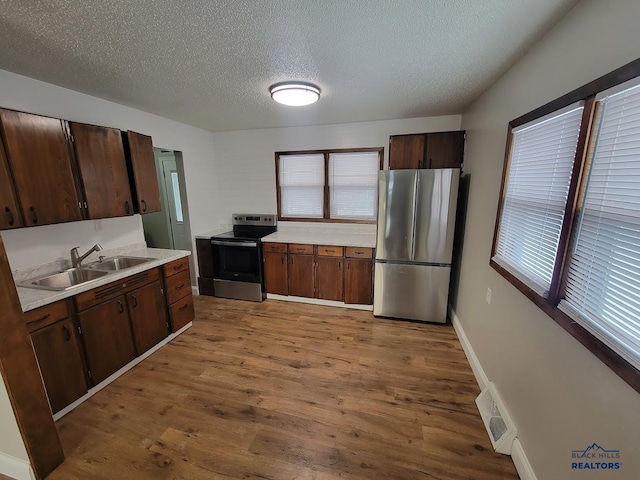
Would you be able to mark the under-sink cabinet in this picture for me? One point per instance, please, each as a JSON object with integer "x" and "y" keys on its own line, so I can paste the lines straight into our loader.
{"x": 120, "y": 321}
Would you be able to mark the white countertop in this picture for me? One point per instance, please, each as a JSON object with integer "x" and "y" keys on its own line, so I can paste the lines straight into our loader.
{"x": 342, "y": 239}
{"x": 31, "y": 298}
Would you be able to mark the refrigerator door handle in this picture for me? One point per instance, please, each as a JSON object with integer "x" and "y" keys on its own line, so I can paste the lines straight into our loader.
{"x": 415, "y": 217}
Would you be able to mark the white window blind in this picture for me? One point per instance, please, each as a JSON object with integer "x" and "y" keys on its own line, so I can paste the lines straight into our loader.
{"x": 603, "y": 283}
{"x": 353, "y": 185}
{"x": 301, "y": 185}
{"x": 537, "y": 187}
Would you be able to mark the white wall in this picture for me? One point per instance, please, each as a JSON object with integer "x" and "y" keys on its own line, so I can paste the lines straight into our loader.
{"x": 246, "y": 163}
{"x": 560, "y": 395}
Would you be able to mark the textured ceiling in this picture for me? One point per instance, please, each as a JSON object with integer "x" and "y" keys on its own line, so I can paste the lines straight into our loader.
{"x": 209, "y": 63}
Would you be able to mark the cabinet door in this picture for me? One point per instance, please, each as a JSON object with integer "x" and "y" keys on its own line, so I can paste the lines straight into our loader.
{"x": 143, "y": 168}
{"x": 205, "y": 258}
{"x": 358, "y": 281}
{"x": 103, "y": 170}
{"x": 10, "y": 215}
{"x": 39, "y": 155}
{"x": 148, "y": 312}
{"x": 445, "y": 150}
{"x": 275, "y": 273}
{"x": 406, "y": 151}
{"x": 329, "y": 278}
{"x": 301, "y": 278}
{"x": 107, "y": 337}
{"x": 63, "y": 372}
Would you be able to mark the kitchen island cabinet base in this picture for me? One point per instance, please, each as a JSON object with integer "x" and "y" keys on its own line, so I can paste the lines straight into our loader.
{"x": 92, "y": 391}
{"x": 318, "y": 301}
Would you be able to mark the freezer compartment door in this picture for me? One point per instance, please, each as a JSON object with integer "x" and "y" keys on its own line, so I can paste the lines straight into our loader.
{"x": 414, "y": 292}
{"x": 436, "y": 200}
{"x": 396, "y": 214}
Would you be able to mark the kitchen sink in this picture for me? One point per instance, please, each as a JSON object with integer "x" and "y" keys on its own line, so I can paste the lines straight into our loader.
{"x": 65, "y": 279}
{"x": 117, "y": 263}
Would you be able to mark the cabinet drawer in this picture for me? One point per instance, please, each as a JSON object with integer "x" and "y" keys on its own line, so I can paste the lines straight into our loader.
{"x": 47, "y": 315}
{"x": 359, "y": 252}
{"x": 111, "y": 290}
{"x": 178, "y": 286}
{"x": 301, "y": 248}
{"x": 330, "y": 251}
{"x": 176, "y": 266}
{"x": 275, "y": 247}
{"x": 182, "y": 312}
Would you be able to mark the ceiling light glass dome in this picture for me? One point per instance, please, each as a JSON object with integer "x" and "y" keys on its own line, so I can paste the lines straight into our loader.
{"x": 295, "y": 94}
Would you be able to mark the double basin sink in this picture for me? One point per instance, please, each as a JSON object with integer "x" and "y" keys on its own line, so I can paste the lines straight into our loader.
{"x": 75, "y": 277}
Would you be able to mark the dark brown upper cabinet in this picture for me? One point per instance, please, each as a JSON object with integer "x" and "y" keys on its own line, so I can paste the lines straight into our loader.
{"x": 103, "y": 170}
{"x": 142, "y": 172}
{"x": 10, "y": 215}
{"x": 426, "y": 150}
{"x": 40, "y": 160}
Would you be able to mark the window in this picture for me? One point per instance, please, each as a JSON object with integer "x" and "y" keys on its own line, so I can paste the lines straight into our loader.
{"x": 568, "y": 224}
{"x": 328, "y": 185}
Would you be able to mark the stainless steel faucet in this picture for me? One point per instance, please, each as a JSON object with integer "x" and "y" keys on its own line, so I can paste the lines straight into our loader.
{"x": 76, "y": 261}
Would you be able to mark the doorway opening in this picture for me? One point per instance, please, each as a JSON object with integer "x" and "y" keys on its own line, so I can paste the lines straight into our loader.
{"x": 169, "y": 228}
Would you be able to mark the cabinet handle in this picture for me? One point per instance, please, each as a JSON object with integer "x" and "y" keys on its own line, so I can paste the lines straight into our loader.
{"x": 144, "y": 205}
{"x": 135, "y": 301}
{"x": 127, "y": 208}
{"x": 10, "y": 215}
{"x": 180, "y": 287}
{"x": 44, "y": 317}
{"x": 291, "y": 260}
{"x": 282, "y": 259}
{"x": 339, "y": 264}
{"x": 34, "y": 215}
{"x": 67, "y": 333}
{"x": 120, "y": 307}
{"x": 348, "y": 264}
{"x": 177, "y": 267}
{"x": 183, "y": 307}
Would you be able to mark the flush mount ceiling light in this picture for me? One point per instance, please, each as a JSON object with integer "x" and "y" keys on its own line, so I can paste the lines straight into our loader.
{"x": 295, "y": 94}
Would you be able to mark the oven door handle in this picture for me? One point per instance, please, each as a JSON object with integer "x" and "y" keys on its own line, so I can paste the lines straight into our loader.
{"x": 234, "y": 244}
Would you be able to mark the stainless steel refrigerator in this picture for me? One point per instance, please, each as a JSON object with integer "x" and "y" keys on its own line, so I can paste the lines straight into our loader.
{"x": 416, "y": 220}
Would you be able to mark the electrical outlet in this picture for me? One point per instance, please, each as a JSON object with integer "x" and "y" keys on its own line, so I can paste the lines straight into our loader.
{"x": 488, "y": 297}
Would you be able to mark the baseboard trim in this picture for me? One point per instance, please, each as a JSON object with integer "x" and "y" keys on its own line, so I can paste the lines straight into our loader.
{"x": 318, "y": 301}
{"x": 15, "y": 468}
{"x": 518, "y": 455}
{"x": 119, "y": 373}
{"x": 520, "y": 460}
{"x": 477, "y": 369}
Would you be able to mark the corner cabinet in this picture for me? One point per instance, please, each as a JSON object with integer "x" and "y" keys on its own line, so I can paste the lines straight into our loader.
{"x": 427, "y": 150}
{"x": 40, "y": 160}
{"x": 142, "y": 168}
{"x": 57, "y": 347}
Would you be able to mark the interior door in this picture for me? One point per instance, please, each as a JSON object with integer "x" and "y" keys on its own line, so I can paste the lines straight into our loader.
{"x": 175, "y": 210}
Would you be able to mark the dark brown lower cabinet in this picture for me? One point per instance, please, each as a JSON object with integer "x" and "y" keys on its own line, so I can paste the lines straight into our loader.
{"x": 108, "y": 340}
{"x": 358, "y": 281}
{"x": 329, "y": 278}
{"x": 148, "y": 312}
{"x": 275, "y": 273}
{"x": 58, "y": 352}
{"x": 301, "y": 277}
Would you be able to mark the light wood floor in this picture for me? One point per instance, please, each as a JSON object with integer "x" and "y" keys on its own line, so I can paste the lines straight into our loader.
{"x": 280, "y": 390}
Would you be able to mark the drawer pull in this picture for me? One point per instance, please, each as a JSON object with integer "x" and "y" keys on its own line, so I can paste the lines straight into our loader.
{"x": 177, "y": 267}
{"x": 301, "y": 249}
{"x": 42, "y": 318}
{"x": 329, "y": 251}
{"x": 183, "y": 307}
{"x": 180, "y": 287}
